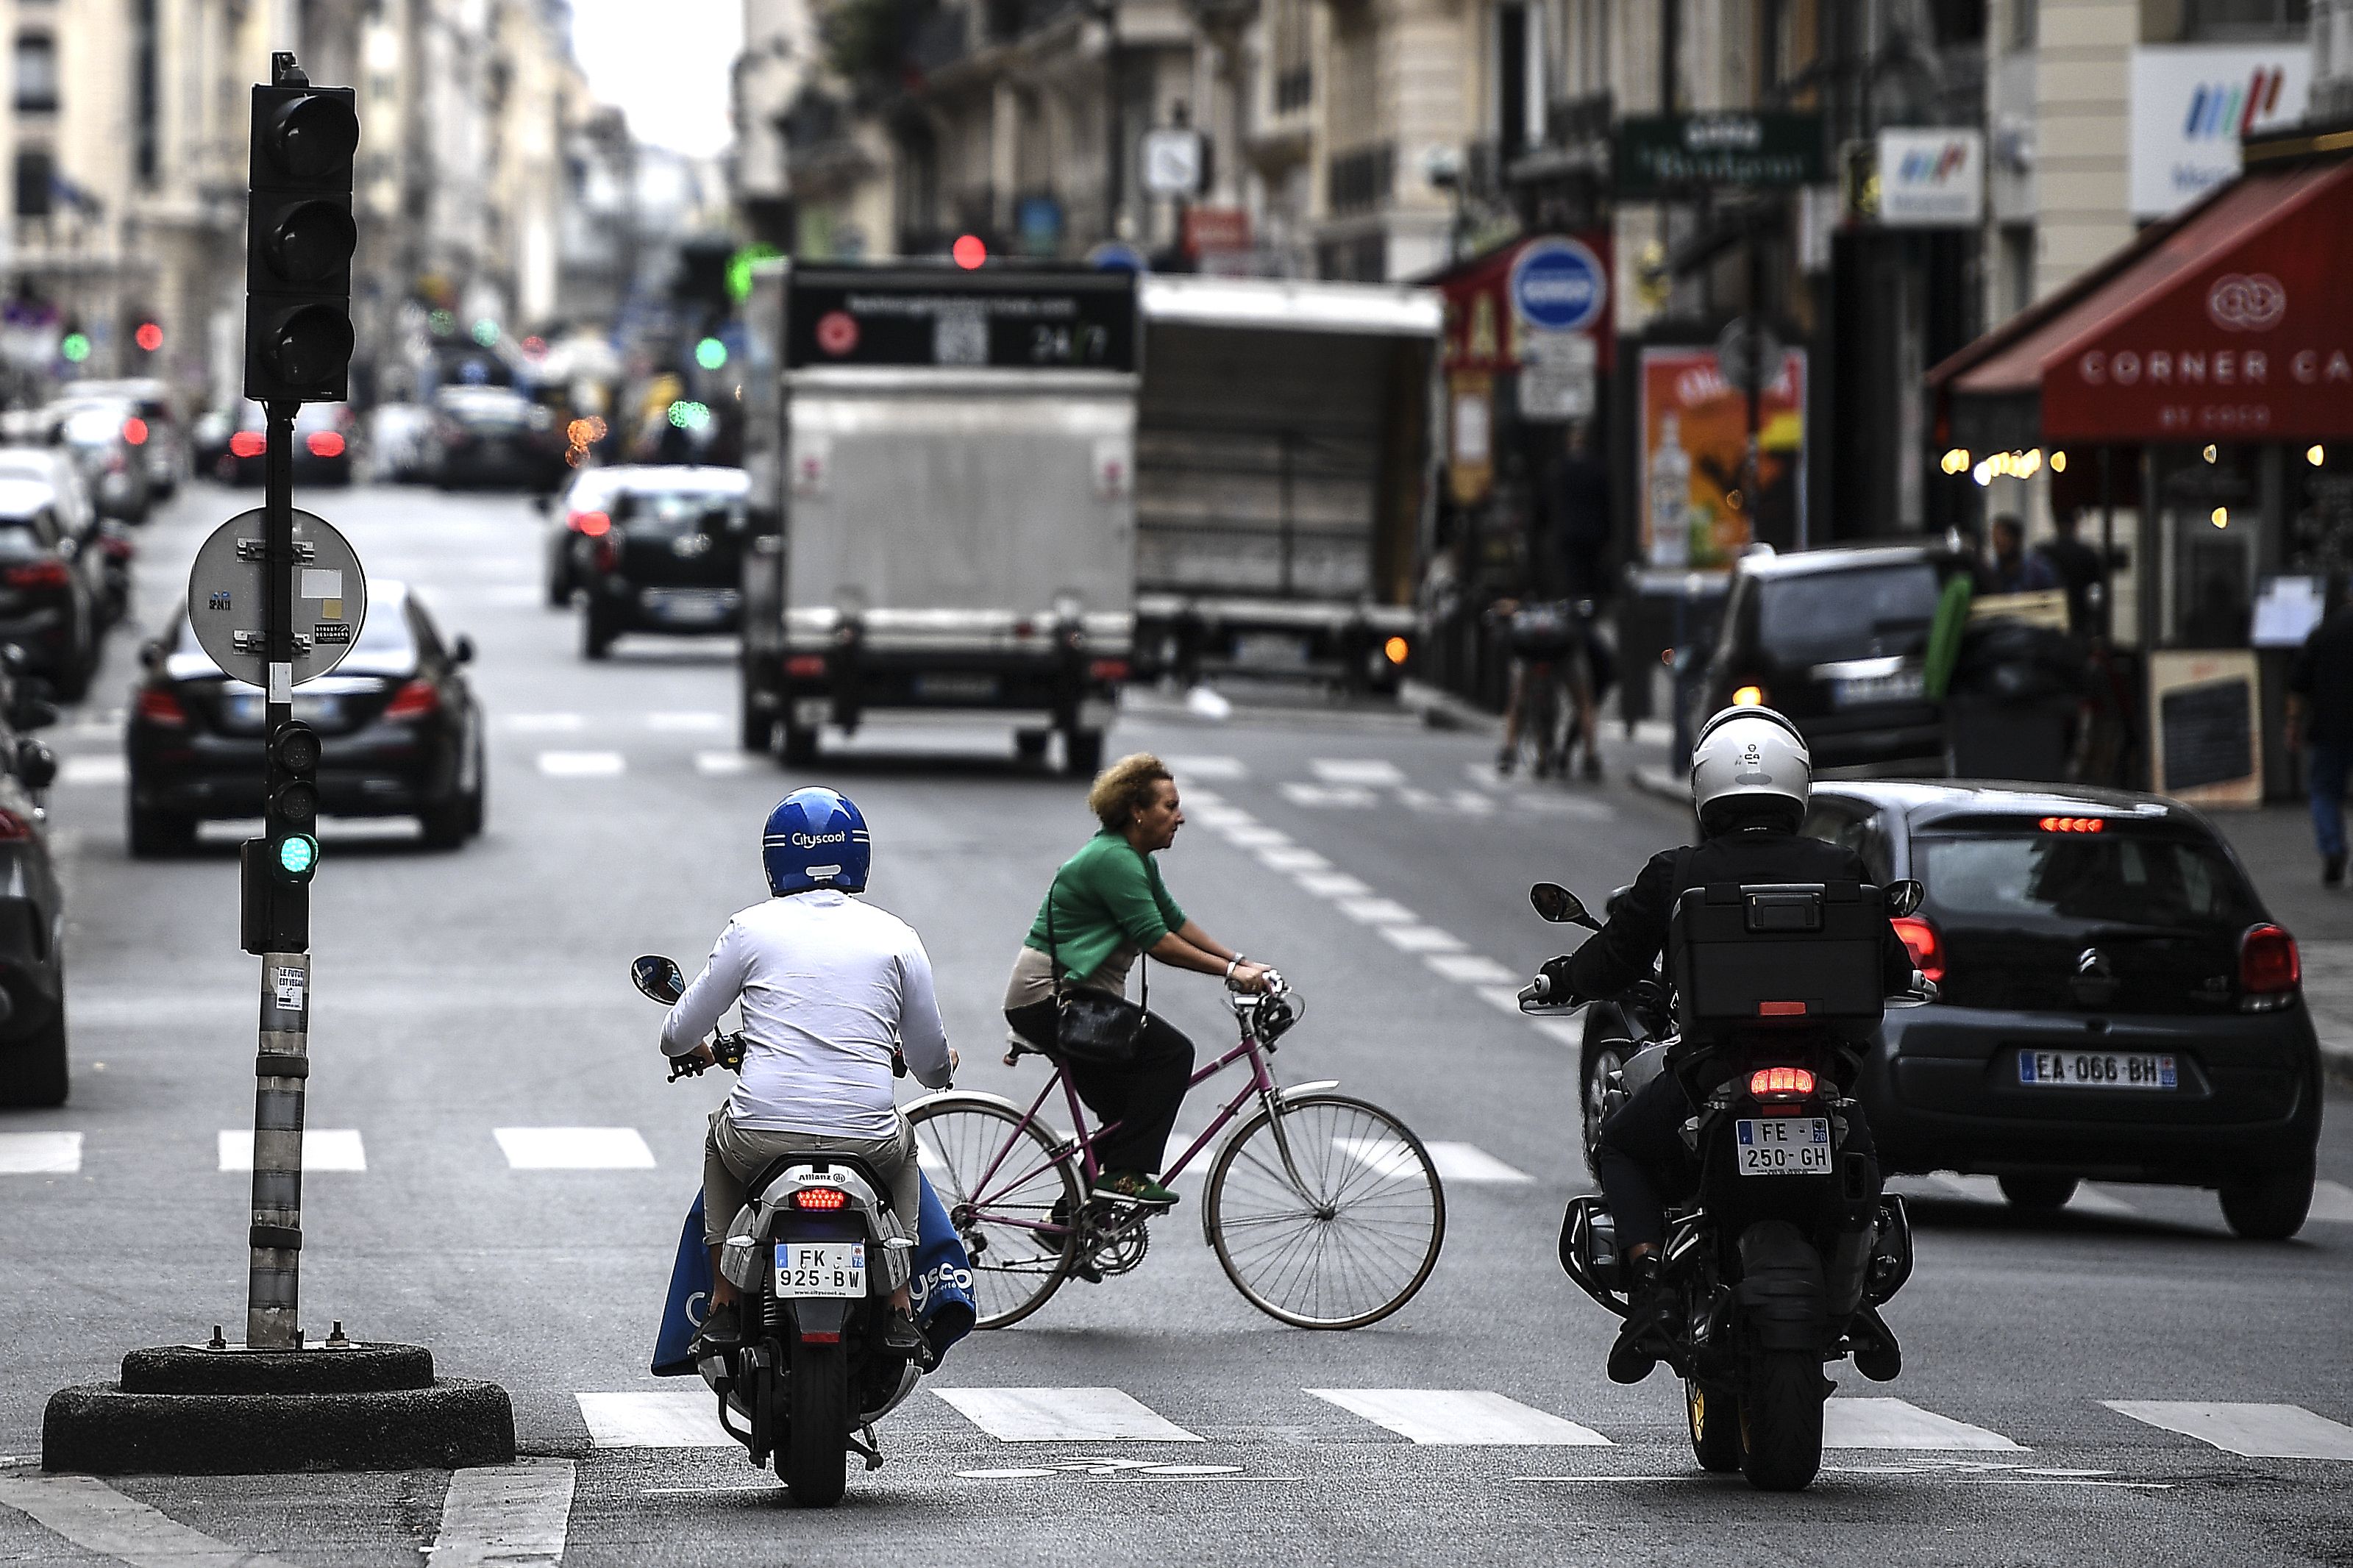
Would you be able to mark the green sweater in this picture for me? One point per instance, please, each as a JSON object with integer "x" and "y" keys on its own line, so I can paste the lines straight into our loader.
{"x": 1108, "y": 893}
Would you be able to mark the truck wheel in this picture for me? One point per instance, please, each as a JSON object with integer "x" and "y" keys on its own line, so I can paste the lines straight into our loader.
{"x": 812, "y": 1461}
{"x": 2273, "y": 1206}
{"x": 33, "y": 1075}
{"x": 1083, "y": 752}
{"x": 800, "y": 746}
{"x": 1029, "y": 745}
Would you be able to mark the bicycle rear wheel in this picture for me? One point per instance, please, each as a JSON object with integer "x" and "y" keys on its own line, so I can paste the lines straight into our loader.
{"x": 1009, "y": 1195}
{"x": 1350, "y": 1240}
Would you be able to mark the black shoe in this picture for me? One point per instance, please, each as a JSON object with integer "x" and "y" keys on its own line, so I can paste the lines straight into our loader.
{"x": 1506, "y": 761}
{"x": 2332, "y": 870}
{"x": 902, "y": 1336}
{"x": 722, "y": 1327}
{"x": 1647, "y": 1336}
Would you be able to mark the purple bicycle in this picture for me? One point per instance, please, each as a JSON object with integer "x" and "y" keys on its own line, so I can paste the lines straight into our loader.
{"x": 1323, "y": 1210}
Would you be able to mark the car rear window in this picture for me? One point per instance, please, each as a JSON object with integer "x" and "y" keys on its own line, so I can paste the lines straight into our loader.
{"x": 1865, "y": 613}
{"x": 674, "y": 511}
{"x": 21, "y": 539}
{"x": 2130, "y": 879}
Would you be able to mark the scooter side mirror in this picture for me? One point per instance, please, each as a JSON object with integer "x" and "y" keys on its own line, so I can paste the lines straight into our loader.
{"x": 657, "y": 978}
{"x": 1903, "y": 897}
{"x": 1558, "y": 905}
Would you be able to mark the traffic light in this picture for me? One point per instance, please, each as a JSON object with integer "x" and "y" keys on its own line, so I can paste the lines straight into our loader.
{"x": 299, "y": 240}
{"x": 149, "y": 336}
{"x": 275, "y": 870}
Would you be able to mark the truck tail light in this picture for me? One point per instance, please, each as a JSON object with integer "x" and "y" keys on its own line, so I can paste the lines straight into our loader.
{"x": 1927, "y": 948}
{"x": 2270, "y": 969}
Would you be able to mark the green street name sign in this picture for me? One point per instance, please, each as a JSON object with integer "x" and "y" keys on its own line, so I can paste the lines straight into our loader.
{"x": 1669, "y": 154}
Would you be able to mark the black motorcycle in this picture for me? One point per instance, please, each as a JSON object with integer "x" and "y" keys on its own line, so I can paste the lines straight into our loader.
{"x": 1778, "y": 1256}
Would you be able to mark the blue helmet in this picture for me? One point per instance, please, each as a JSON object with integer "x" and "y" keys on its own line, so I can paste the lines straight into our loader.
{"x": 816, "y": 839}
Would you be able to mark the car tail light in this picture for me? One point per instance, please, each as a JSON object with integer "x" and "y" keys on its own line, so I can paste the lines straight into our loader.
{"x": 159, "y": 707}
{"x": 1107, "y": 670}
{"x": 820, "y": 1200}
{"x": 117, "y": 546}
{"x": 248, "y": 444}
{"x": 2268, "y": 967}
{"x": 1396, "y": 650}
{"x": 1927, "y": 948}
{"x": 134, "y": 430}
{"x": 2072, "y": 825}
{"x": 324, "y": 443}
{"x": 13, "y": 829}
{"x": 417, "y": 699}
{"x": 806, "y": 666}
{"x": 1780, "y": 1083}
{"x": 594, "y": 524}
{"x": 608, "y": 554}
{"x": 39, "y": 575}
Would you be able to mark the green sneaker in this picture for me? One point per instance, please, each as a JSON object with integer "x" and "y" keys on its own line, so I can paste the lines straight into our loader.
{"x": 1139, "y": 1187}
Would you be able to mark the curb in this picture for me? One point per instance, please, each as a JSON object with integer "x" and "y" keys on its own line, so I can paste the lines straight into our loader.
{"x": 1441, "y": 709}
{"x": 99, "y": 1430}
{"x": 1652, "y": 779}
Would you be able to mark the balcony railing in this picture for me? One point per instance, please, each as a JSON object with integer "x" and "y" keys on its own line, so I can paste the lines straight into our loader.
{"x": 1361, "y": 179}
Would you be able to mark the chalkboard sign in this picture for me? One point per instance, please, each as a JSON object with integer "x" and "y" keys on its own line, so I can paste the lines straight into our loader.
{"x": 2207, "y": 734}
{"x": 1021, "y": 318}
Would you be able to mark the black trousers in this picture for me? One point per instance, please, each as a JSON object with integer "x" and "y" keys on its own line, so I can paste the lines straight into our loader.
{"x": 1644, "y": 1164}
{"x": 1143, "y": 1096}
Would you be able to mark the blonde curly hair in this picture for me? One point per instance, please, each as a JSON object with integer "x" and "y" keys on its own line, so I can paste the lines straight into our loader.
{"x": 1123, "y": 789}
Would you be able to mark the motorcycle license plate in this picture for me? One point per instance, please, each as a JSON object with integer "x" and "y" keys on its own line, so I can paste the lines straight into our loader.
{"x": 821, "y": 1269}
{"x": 1784, "y": 1145}
{"x": 2096, "y": 1069}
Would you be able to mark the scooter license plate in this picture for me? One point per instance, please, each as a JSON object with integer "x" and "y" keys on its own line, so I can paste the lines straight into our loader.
{"x": 1784, "y": 1145}
{"x": 821, "y": 1269}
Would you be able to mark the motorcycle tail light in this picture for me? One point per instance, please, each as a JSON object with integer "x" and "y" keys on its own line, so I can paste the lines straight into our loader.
{"x": 820, "y": 1200}
{"x": 417, "y": 699}
{"x": 161, "y": 708}
{"x": 1780, "y": 1083}
{"x": 2269, "y": 965}
{"x": 1927, "y": 948}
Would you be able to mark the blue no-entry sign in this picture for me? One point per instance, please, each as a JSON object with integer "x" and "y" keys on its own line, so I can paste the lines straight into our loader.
{"x": 1558, "y": 285}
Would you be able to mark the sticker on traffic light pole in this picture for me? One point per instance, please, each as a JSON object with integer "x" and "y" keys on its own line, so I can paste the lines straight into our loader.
{"x": 299, "y": 240}
{"x": 225, "y": 588}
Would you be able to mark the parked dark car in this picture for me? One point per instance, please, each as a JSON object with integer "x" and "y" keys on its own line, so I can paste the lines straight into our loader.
{"x": 400, "y": 732}
{"x": 1836, "y": 639}
{"x": 670, "y": 561}
{"x": 493, "y": 436}
{"x": 324, "y": 434}
{"x": 33, "y": 1069}
{"x": 2117, "y": 1003}
{"x": 576, "y": 520}
{"x": 49, "y": 589}
{"x": 102, "y": 551}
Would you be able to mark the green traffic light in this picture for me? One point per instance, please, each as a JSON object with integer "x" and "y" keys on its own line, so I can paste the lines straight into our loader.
{"x": 76, "y": 348}
{"x": 298, "y": 855}
{"x": 486, "y": 332}
{"x": 711, "y": 354}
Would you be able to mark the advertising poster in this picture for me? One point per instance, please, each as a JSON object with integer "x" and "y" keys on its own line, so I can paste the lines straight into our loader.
{"x": 2191, "y": 104}
{"x": 1694, "y": 434}
{"x": 2203, "y": 709}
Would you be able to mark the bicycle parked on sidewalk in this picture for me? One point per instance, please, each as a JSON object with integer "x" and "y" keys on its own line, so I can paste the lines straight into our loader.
{"x": 1324, "y": 1210}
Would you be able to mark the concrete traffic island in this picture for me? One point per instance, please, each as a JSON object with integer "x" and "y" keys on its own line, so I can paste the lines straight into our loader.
{"x": 222, "y": 1409}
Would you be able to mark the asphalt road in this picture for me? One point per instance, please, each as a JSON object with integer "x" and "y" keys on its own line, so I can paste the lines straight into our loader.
{"x": 460, "y": 994}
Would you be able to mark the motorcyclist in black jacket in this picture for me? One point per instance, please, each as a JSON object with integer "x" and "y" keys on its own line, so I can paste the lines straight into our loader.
{"x": 1751, "y": 777}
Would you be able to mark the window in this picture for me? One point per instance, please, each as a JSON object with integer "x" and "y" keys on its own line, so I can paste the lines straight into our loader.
{"x": 2247, "y": 20}
{"x": 2025, "y": 23}
{"x": 2017, "y": 267}
{"x": 36, "y": 73}
{"x": 2133, "y": 881}
{"x": 146, "y": 104}
{"x": 36, "y": 176}
{"x": 1868, "y": 613}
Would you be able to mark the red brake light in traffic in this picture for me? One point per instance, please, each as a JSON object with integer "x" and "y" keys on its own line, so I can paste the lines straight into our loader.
{"x": 1107, "y": 670}
{"x": 414, "y": 701}
{"x": 39, "y": 575}
{"x": 806, "y": 666}
{"x": 594, "y": 524}
{"x": 1778, "y": 1082}
{"x": 1927, "y": 951}
{"x": 2072, "y": 825}
{"x": 13, "y": 829}
{"x": 821, "y": 1199}
{"x": 248, "y": 443}
{"x": 324, "y": 443}
{"x": 157, "y": 707}
{"x": 2268, "y": 962}
{"x": 134, "y": 430}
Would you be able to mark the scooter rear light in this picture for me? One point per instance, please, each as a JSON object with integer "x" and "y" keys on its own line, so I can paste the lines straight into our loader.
{"x": 161, "y": 708}
{"x": 1927, "y": 948}
{"x": 820, "y": 1200}
{"x": 1780, "y": 1083}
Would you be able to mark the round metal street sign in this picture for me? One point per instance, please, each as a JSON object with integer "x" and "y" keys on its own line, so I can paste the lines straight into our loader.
{"x": 1558, "y": 285}
{"x": 225, "y": 597}
{"x": 1748, "y": 353}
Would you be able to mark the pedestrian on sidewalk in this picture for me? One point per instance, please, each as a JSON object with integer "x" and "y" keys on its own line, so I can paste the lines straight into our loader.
{"x": 2320, "y": 724}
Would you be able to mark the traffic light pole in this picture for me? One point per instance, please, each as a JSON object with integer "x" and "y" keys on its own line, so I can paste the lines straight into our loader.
{"x": 282, "y": 1067}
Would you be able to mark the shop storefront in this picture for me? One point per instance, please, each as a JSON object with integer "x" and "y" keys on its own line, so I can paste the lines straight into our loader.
{"x": 2191, "y": 402}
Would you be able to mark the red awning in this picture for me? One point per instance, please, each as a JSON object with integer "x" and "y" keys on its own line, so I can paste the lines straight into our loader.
{"x": 2233, "y": 322}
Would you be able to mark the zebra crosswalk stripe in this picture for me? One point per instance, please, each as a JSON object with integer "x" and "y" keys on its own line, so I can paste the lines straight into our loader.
{"x": 1064, "y": 1415}
{"x": 40, "y": 1153}
{"x": 686, "y": 1418}
{"x": 1461, "y": 1417}
{"x": 574, "y": 1148}
{"x": 1900, "y": 1424}
{"x": 2256, "y": 1431}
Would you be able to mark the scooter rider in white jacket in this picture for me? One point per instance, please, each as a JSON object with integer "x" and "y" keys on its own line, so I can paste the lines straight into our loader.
{"x": 831, "y": 987}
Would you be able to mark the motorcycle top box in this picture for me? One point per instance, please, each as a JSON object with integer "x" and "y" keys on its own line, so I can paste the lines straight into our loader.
{"x": 1777, "y": 955}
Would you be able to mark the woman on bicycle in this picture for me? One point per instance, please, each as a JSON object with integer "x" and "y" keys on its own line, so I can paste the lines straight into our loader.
{"x": 1106, "y": 905}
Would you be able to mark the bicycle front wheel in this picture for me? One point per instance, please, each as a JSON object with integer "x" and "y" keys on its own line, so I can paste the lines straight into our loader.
{"x": 1011, "y": 1194}
{"x": 1340, "y": 1235}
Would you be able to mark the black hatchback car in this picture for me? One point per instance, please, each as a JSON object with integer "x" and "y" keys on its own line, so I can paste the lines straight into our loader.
{"x": 400, "y": 732}
{"x": 2117, "y": 1003}
{"x": 33, "y": 1070}
{"x": 1836, "y": 639}
{"x": 668, "y": 557}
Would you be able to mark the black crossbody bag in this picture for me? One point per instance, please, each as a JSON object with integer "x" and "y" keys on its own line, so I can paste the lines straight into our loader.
{"x": 1092, "y": 1027}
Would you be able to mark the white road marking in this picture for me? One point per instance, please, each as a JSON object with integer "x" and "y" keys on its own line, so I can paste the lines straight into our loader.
{"x": 1378, "y": 911}
{"x": 698, "y": 721}
{"x": 2089, "y": 1199}
{"x": 1503, "y": 998}
{"x": 581, "y": 764}
{"x": 1565, "y": 805}
{"x": 1468, "y": 1163}
{"x": 2332, "y": 1202}
{"x": 1461, "y": 802}
{"x": 1258, "y": 837}
{"x": 2256, "y": 1431}
{"x": 511, "y": 1516}
{"x": 1224, "y": 818}
{"x": 544, "y": 724}
{"x": 724, "y": 763}
{"x": 1350, "y": 795}
{"x": 686, "y": 1418}
{"x": 1469, "y": 968}
{"x": 1898, "y": 1423}
{"x": 1422, "y": 939}
{"x": 39, "y": 1154}
{"x": 95, "y": 1517}
{"x": 1064, "y": 1415}
{"x": 103, "y": 769}
{"x": 574, "y": 1149}
{"x": 1333, "y": 885}
{"x": 1187, "y": 769}
{"x": 1351, "y": 770}
{"x": 1292, "y": 858}
{"x": 1984, "y": 1189}
{"x": 324, "y": 1149}
{"x": 1462, "y": 1418}
{"x": 1203, "y": 797}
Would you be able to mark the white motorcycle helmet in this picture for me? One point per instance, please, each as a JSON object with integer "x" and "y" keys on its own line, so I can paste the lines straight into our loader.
{"x": 1750, "y": 768}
